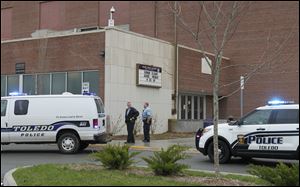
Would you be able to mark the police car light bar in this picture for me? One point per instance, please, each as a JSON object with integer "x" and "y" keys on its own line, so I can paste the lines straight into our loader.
{"x": 16, "y": 94}
{"x": 278, "y": 102}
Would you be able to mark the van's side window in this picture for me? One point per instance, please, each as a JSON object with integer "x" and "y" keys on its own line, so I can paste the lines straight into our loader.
{"x": 21, "y": 107}
{"x": 3, "y": 107}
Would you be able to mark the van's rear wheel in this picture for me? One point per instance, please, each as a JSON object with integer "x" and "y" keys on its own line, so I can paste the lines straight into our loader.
{"x": 68, "y": 143}
{"x": 224, "y": 152}
{"x": 83, "y": 145}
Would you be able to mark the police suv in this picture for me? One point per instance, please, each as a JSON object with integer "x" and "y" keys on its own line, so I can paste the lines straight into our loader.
{"x": 71, "y": 121}
{"x": 270, "y": 131}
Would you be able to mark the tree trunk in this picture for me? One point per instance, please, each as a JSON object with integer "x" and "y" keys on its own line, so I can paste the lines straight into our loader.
{"x": 216, "y": 114}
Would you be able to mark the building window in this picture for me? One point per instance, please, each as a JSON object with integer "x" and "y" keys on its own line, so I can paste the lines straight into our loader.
{"x": 12, "y": 83}
{"x": 29, "y": 82}
{"x": 92, "y": 77}
{"x": 74, "y": 82}
{"x": 58, "y": 83}
{"x": 43, "y": 84}
{"x": 6, "y": 19}
{"x": 182, "y": 107}
{"x": 3, "y": 85}
{"x": 50, "y": 83}
{"x": 51, "y": 15}
{"x": 191, "y": 107}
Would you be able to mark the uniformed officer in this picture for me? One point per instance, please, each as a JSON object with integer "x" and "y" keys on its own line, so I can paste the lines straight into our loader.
{"x": 147, "y": 120}
{"x": 131, "y": 115}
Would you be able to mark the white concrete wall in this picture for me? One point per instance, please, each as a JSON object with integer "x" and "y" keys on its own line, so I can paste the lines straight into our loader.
{"x": 123, "y": 50}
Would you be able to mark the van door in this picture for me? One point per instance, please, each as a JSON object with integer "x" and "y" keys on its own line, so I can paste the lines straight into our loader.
{"x": 252, "y": 128}
{"x": 101, "y": 114}
{"x": 19, "y": 121}
{"x": 4, "y": 122}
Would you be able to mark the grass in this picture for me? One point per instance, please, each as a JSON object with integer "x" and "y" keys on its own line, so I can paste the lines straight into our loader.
{"x": 91, "y": 175}
{"x": 62, "y": 175}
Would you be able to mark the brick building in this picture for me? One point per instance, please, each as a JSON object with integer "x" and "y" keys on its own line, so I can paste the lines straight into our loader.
{"x": 64, "y": 44}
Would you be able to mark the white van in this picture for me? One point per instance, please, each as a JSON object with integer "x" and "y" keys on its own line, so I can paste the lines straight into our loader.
{"x": 71, "y": 121}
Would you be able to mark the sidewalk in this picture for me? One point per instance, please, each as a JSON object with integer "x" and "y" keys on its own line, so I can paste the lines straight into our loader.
{"x": 156, "y": 145}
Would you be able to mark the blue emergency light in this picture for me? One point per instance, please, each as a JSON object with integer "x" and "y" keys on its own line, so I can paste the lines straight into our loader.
{"x": 16, "y": 94}
{"x": 280, "y": 102}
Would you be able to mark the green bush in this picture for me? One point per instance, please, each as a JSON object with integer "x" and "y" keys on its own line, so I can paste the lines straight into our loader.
{"x": 164, "y": 162}
{"x": 115, "y": 157}
{"x": 281, "y": 175}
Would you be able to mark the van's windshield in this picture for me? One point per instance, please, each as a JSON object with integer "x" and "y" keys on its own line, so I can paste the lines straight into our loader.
{"x": 100, "y": 106}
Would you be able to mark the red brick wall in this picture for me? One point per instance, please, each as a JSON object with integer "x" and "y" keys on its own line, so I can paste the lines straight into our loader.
{"x": 6, "y": 19}
{"x": 69, "y": 53}
{"x": 246, "y": 46}
{"x": 191, "y": 80}
{"x": 139, "y": 12}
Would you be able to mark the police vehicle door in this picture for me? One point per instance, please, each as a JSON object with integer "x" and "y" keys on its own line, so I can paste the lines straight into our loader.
{"x": 283, "y": 130}
{"x": 4, "y": 121}
{"x": 19, "y": 121}
{"x": 251, "y": 130}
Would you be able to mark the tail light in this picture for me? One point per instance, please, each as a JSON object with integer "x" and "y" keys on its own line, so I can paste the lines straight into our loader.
{"x": 95, "y": 124}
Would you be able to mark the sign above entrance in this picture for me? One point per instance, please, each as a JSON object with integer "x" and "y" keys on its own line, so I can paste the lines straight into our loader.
{"x": 148, "y": 75}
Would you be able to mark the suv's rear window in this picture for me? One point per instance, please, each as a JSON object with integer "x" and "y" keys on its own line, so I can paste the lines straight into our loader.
{"x": 100, "y": 107}
{"x": 21, "y": 107}
{"x": 286, "y": 116}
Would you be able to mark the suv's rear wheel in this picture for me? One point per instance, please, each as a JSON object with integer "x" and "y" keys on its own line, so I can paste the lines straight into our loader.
{"x": 224, "y": 152}
{"x": 68, "y": 143}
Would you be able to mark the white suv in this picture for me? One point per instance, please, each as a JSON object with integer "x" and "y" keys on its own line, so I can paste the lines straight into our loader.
{"x": 270, "y": 131}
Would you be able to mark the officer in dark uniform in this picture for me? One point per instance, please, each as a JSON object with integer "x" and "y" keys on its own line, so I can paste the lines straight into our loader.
{"x": 131, "y": 115}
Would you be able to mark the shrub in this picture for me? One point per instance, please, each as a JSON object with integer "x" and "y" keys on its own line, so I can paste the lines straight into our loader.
{"x": 164, "y": 162}
{"x": 115, "y": 157}
{"x": 281, "y": 175}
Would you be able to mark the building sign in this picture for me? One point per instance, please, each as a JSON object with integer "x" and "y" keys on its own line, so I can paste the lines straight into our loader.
{"x": 20, "y": 68}
{"x": 85, "y": 87}
{"x": 148, "y": 75}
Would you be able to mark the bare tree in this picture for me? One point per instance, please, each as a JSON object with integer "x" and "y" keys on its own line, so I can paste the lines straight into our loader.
{"x": 216, "y": 23}
{"x": 116, "y": 126}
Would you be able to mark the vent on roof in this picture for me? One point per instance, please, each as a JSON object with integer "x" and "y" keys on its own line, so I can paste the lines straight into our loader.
{"x": 85, "y": 29}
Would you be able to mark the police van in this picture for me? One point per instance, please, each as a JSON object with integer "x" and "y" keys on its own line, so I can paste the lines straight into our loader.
{"x": 71, "y": 121}
{"x": 270, "y": 131}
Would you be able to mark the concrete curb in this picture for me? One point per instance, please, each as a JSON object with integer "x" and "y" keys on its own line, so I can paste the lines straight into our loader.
{"x": 146, "y": 148}
{"x": 8, "y": 179}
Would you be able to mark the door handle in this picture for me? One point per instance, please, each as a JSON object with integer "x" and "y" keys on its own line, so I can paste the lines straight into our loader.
{"x": 261, "y": 129}
{"x": 297, "y": 128}
{"x": 6, "y": 124}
